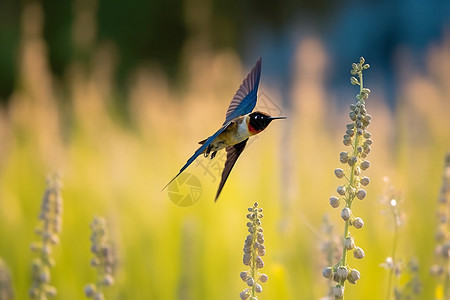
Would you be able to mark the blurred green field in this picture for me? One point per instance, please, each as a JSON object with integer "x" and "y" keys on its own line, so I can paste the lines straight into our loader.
{"x": 114, "y": 164}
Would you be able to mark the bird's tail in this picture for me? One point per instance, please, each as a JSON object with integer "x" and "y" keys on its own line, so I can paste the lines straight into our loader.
{"x": 170, "y": 181}
{"x": 200, "y": 150}
{"x": 185, "y": 166}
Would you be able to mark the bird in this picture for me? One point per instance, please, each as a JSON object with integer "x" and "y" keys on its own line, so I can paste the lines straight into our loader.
{"x": 239, "y": 125}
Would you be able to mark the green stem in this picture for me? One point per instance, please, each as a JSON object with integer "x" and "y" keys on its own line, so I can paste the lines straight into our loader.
{"x": 351, "y": 186}
{"x": 253, "y": 267}
{"x": 447, "y": 271}
{"x": 45, "y": 258}
{"x": 394, "y": 250}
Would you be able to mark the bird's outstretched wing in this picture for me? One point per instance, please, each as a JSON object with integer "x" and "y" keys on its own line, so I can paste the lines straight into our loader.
{"x": 233, "y": 153}
{"x": 244, "y": 101}
{"x": 199, "y": 151}
{"x": 245, "y": 98}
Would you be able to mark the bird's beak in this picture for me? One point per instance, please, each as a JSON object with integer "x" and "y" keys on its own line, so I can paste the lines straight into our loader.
{"x": 276, "y": 118}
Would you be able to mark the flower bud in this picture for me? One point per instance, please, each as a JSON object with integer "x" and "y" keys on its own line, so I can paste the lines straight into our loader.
{"x": 346, "y": 213}
{"x": 436, "y": 270}
{"x": 365, "y": 165}
{"x": 50, "y": 291}
{"x": 259, "y": 262}
{"x": 353, "y": 276}
{"x": 341, "y": 273}
{"x": 338, "y": 291}
{"x": 89, "y": 290}
{"x": 352, "y": 160}
{"x": 341, "y": 190}
{"x": 244, "y": 294}
{"x": 349, "y": 243}
{"x": 358, "y": 253}
{"x": 244, "y": 275}
{"x": 246, "y": 259}
{"x": 358, "y": 223}
{"x": 250, "y": 281}
{"x": 343, "y": 157}
{"x": 365, "y": 181}
{"x": 327, "y": 272}
{"x": 334, "y": 202}
{"x": 263, "y": 278}
{"x": 361, "y": 194}
{"x": 108, "y": 280}
{"x": 339, "y": 173}
{"x": 350, "y": 132}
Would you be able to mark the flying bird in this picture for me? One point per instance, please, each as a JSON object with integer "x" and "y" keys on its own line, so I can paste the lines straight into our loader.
{"x": 240, "y": 124}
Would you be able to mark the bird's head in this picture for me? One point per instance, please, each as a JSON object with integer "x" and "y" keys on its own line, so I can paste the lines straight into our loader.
{"x": 259, "y": 120}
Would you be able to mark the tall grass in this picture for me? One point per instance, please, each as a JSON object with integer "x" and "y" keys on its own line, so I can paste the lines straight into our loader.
{"x": 115, "y": 166}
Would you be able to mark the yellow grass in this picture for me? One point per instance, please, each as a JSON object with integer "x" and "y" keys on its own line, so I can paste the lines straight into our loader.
{"x": 116, "y": 168}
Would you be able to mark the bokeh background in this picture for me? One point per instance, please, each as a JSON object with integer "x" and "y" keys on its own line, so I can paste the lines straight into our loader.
{"x": 114, "y": 96}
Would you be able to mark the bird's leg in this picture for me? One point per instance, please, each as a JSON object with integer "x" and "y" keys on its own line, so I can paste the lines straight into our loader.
{"x": 213, "y": 154}
{"x": 207, "y": 151}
